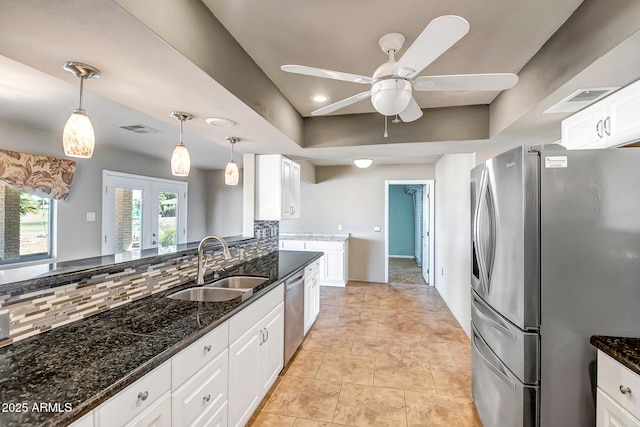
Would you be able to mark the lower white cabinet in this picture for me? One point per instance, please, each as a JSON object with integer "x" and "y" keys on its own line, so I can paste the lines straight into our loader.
{"x": 255, "y": 360}
{"x": 617, "y": 401}
{"x": 85, "y": 421}
{"x": 311, "y": 294}
{"x": 157, "y": 415}
{"x": 334, "y": 265}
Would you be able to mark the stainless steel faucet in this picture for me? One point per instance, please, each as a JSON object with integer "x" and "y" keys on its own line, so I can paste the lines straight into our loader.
{"x": 201, "y": 261}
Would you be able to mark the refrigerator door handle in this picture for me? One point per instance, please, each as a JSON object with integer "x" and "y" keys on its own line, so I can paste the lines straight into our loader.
{"x": 483, "y": 313}
{"x": 476, "y": 232}
{"x": 485, "y": 359}
{"x": 491, "y": 256}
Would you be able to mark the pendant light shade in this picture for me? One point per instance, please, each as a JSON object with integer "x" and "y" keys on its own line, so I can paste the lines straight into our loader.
{"x": 180, "y": 159}
{"x": 78, "y": 138}
{"x": 231, "y": 172}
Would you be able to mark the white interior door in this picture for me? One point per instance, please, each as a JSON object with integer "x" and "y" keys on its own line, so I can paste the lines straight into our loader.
{"x": 426, "y": 232}
{"x": 141, "y": 212}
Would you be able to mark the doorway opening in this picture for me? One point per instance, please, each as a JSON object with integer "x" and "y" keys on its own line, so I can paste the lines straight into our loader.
{"x": 408, "y": 231}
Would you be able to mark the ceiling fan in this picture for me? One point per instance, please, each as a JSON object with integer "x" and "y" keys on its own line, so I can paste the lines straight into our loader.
{"x": 393, "y": 81}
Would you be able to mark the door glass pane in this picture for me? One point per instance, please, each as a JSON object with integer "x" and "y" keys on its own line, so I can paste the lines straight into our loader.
{"x": 167, "y": 219}
{"x": 128, "y": 230}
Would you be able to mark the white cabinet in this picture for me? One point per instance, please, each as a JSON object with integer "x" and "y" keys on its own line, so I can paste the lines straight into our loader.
{"x": 85, "y": 421}
{"x": 255, "y": 354}
{"x": 334, "y": 265}
{"x": 311, "y": 294}
{"x": 618, "y": 403}
{"x": 141, "y": 403}
{"x": 277, "y": 188}
{"x": 610, "y": 122}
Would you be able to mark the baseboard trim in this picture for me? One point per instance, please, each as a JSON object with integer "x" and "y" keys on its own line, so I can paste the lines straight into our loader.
{"x": 402, "y": 256}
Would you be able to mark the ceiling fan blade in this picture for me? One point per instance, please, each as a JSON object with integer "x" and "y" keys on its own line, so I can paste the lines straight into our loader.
{"x": 493, "y": 82}
{"x": 412, "y": 112}
{"x": 326, "y": 74}
{"x": 441, "y": 33}
{"x": 341, "y": 104}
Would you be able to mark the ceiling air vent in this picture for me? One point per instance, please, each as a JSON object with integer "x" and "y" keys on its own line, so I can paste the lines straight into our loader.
{"x": 580, "y": 99}
{"x": 138, "y": 128}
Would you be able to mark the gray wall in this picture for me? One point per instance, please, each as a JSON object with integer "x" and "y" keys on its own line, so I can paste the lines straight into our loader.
{"x": 453, "y": 234}
{"x": 77, "y": 238}
{"x": 354, "y": 198}
{"x": 224, "y": 205}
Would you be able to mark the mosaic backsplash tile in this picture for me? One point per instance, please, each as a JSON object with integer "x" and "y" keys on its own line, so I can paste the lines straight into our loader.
{"x": 40, "y": 311}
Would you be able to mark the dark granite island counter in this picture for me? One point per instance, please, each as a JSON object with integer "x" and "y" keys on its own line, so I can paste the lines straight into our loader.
{"x": 81, "y": 365}
{"x": 622, "y": 349}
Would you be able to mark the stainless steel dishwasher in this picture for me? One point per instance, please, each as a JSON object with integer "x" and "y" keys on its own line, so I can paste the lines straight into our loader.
{"x": 293, "y": 315}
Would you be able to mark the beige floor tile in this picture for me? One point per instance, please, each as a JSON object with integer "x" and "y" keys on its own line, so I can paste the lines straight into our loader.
{"x": 419, "y": 317}
{"x": 438, "y": 411}
{"x": 404, "y": 374}
{"x": 452, "y": 381}
{"x": 347, "y": 368}
{"x": 361, "y": 405}
{"x": 375, "y": 346}
{"x": 265, "y": 419}
{"x": 357, "y": 326}
{"x": 363, "y": 302}
{"x": 434, "y": 353}
{"x": 305, "y": 364}
{"x": 343, "y": 311}
{"x": 328, "y": 341}
{"x": 301, "y": 422}
{"x": 305, "y": 398}
{"x": 324, "y": 323}
{"x": 402, "y": 328}
{"x": 448, "y": 333}
{"x": 461, "y": 354}
{"x": 395, "y": 304}
{"x": 379, "y": 315}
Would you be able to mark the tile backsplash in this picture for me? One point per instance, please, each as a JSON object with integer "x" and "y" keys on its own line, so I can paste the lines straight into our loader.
{"x": 40, "y": 311}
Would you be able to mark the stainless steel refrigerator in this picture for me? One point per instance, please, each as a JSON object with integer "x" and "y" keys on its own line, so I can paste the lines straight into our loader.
{"x": 556, "y": 259}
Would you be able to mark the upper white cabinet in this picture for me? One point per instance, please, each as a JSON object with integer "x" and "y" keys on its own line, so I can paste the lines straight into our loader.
{"x": 608, "y": 123}
{"x": 277, "y": 188}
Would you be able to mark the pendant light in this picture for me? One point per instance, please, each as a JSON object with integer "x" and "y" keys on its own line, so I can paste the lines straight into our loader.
{"x": 362, "y": 163}
{"x": 78, "y": 138}
{"x": 180, "y": 160}
{"x": 231, "y": 173}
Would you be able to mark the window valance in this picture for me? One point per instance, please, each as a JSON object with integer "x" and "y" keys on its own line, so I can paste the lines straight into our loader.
{"x": 40, "y": 175}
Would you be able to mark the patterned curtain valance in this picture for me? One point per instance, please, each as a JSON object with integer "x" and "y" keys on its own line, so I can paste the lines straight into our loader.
{"x": 40, "y": 175}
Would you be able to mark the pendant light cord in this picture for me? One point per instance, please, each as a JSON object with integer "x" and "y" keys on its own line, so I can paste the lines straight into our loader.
{"x": 81, "y": 88}
{"x": 232, "y": 144}
{"x": 181, "y": 121}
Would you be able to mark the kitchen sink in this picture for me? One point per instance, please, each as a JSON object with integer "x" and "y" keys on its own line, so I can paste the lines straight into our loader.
{"x": 238, "y": 282}
{"x": 210, "y": 294}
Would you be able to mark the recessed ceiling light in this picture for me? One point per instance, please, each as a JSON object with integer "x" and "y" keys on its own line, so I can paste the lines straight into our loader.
{"x": 220, "y": 121}
{"x": 320, "y": 98}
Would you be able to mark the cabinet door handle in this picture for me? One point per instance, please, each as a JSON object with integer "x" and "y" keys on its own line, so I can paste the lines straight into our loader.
{"x": 261, "y": 336}
{"x": 607, "y": 125}
{"x": 266, "y": 331}
{"x": 625, "y": 390}
{"x": 207, "y": 348}
{"x": 206, "y": 398}
{"x": 143, "y": 395}
{"x": 599, "y": 129}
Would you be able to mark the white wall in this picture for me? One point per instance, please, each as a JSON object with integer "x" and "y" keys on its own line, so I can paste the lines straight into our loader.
{"x": 453, "y": 234}
{"x": 78, "y": 238}
{"x": 354, "y": 198}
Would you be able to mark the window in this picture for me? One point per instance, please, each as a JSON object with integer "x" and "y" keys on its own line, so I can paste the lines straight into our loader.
{"x": 141, "y": 212}
{"x": 25, "y": 226}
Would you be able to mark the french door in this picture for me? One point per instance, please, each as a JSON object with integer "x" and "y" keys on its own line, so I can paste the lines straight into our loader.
{"x": 140, "y": 212}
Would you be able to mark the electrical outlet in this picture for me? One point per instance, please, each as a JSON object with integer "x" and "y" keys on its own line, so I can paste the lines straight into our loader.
{"x": 377, "y": 228}
{"x": 91, "y": 216}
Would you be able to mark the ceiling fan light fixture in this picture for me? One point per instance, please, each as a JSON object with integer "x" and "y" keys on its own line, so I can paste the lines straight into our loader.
{"x": 231, "y": 173}
{"x": 391, "y": 96}
{"x": 363, "y": 163}
{"x": 78, "y": 138}
{"x": 180, "y": 159}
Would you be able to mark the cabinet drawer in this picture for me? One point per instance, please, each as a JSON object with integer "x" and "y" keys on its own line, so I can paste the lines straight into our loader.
{"x": 292, "y": 245}
{"x": 193, "y": 358}
{"x": 135, "y": 399}
{"x": 311, "y": 268}
{"x": 85, "y": 421}
{"x": 610, "y": 414}
{"x": 324, "y": 246}
{"x": 247, "y": 318}
{"x": 612, "y": 376}
{"x": 202, "y": 395}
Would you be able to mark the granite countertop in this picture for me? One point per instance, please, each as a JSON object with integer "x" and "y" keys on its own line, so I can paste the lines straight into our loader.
{"x": 87, "y": 362}
{"x": 624, "y": 350}
{"x": 322, "y": 237}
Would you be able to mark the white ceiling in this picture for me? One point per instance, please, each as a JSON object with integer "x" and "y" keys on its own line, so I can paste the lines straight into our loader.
{"x": 144, "y": 78}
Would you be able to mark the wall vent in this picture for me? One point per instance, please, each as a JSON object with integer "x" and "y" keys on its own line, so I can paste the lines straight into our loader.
{"x": 138, "y": 128}
{"x": 580, "y": 99}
